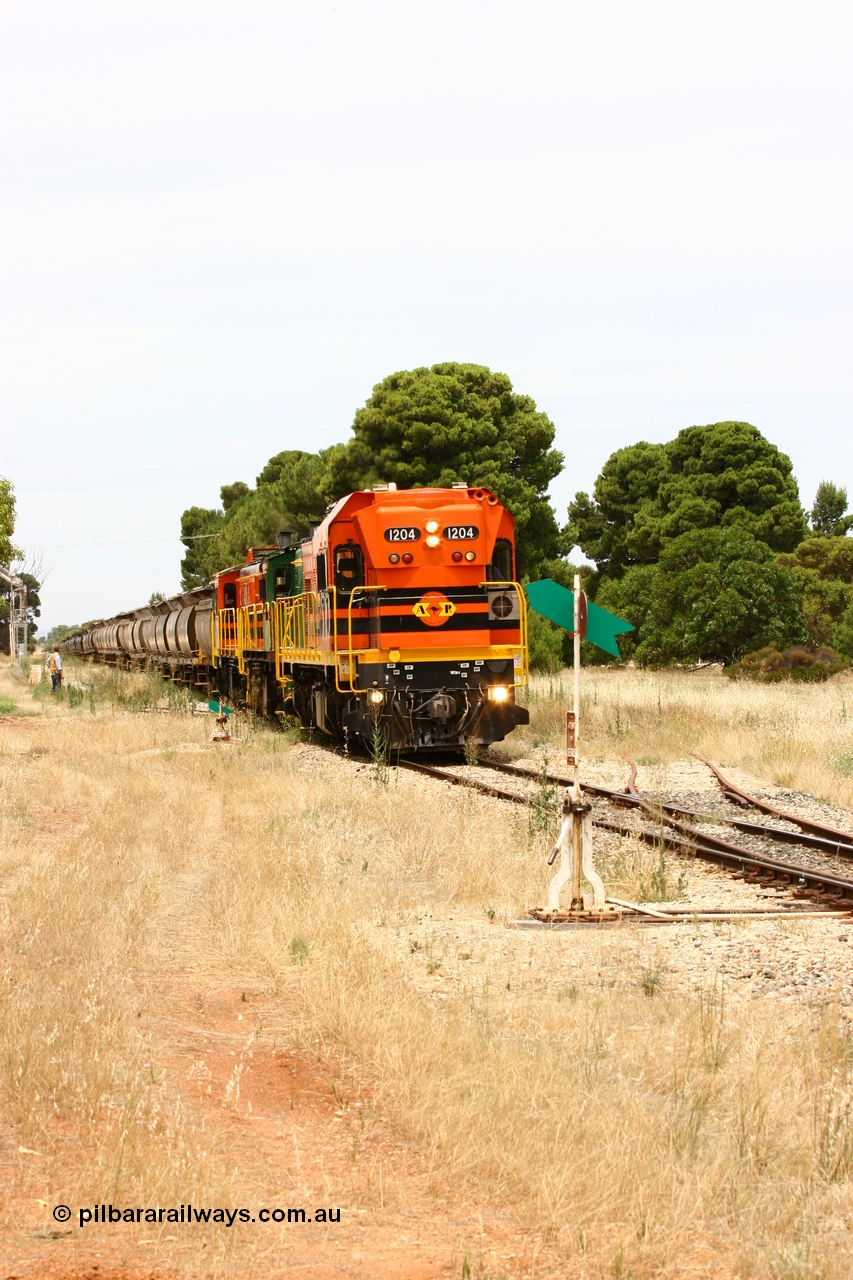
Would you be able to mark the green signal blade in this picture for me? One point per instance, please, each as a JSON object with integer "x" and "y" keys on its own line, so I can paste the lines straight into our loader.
{"x": 557, "y": 603}
{"x": 215, "y": 705}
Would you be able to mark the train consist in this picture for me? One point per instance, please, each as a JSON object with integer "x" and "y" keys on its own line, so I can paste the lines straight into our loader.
{"x": 400, "y": 610}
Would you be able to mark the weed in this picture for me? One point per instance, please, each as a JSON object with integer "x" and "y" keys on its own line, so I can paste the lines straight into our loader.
{"x": 378, "y": 748}
{"x": 298, "y": 950}
{"x": 620, "y": 1269}
{"x": 833, "y": 1101}
{"x": 658, "y": 887}
{"x": 433, "y": 962}
{"x": 843, "y": 763}
{"x": 651, "y": 980}
{"x": 543, "y": 805}
{"x": 692, "y": 1107}
{"x": 619, "y": 727}
{"x": 341, "y": 1096}
{"x": 712, "y": 1024}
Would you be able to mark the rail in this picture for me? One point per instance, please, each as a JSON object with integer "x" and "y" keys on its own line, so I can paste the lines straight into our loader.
{"x": 754, "y": 868}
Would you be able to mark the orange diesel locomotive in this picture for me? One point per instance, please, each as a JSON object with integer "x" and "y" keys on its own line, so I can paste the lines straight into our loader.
{"x": 401, "y": 609}
{"x": 399, "y": 613}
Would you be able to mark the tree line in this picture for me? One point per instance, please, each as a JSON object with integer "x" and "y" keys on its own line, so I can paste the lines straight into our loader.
{"x": 701, "y": 542}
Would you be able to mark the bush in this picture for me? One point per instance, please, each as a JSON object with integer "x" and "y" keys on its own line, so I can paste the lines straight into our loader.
{"x": 796, "y": 663}
{"x": 714, "y": 595}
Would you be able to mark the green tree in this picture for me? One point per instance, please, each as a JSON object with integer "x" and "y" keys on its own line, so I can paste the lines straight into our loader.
{"x": 199, "y": 529}
{"x": 231, "y": 494}
{"x": 290, "y": 492}
{"x": 452, "y": 422}
{"x": 714, "y": 595}
{"x": 8, "y": 552}
{"x": 823, "y": 568}
{"x": 297, "y": 484}
{"x": 725, "y": 475}
{"x": 60, "y": 632}
{"x": 827, "y": 517}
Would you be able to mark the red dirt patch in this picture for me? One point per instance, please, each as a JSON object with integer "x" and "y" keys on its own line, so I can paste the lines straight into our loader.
{"x": 87, "y": 1271}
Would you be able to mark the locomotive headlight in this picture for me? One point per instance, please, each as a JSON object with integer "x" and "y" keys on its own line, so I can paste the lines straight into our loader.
{"x": 433, "y": 540}
{"x": 431, "y": 526}
{"x": 376, "y": 696}
{"x": 499, "y": 693}
{"x": 470, "y": 555}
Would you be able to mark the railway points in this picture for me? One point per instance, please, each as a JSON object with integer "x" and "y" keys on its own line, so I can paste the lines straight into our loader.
{"x": 821, "y": 882}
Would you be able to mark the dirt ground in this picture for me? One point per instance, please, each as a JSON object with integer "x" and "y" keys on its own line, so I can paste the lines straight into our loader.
{"x": 306, "y": 1128}
{"x": 301, "y": 1124}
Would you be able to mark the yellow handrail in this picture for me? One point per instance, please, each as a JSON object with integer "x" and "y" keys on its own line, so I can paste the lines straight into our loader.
{"x": 251, "y": 631}
{"x": 295, "y": 630}
{"x": 223, "y": 635}
{"x": 350, "y": 651}
{"x": 522, "y": 626}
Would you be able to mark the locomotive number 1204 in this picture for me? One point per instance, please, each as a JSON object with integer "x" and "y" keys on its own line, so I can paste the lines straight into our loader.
{"x": 461, "y": 532}
{"x": 402, "y": 533}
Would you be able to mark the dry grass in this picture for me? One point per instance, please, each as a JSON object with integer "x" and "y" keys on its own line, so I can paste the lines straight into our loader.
{"x": 794, "y": 735}
{"x": 626, "y": 1124}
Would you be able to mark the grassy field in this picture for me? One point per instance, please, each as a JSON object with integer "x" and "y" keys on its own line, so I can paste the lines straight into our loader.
{"x": 600, "y": 1130}
{"x": 794, "y": 735}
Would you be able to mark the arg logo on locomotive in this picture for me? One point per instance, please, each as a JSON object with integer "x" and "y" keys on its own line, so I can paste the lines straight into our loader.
{"x": 434, "y": 608}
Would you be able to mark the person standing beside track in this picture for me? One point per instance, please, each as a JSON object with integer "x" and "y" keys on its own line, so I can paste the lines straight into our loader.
{"x": 54, "y": 666}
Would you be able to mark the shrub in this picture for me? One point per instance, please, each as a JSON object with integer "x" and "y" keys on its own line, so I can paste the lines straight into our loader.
{"x": 795, "y": 663}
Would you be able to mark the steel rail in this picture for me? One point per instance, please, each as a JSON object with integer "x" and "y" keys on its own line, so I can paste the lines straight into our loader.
{"x": 752, "y": 867}
{"x": 745, "y": 800}
{"x": 837, "y": 842}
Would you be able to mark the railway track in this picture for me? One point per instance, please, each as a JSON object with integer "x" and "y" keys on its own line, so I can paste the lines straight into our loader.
{"x": 826, "y": 878}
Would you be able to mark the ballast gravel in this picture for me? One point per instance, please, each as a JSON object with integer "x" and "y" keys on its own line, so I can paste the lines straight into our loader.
{"x": 798, "y": 958}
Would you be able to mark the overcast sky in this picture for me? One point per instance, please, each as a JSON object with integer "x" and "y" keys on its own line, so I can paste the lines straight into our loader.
{"x": 223, "y": 224}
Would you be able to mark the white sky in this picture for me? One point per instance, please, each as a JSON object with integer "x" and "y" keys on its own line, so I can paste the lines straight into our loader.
{"x": 223, "y": 224}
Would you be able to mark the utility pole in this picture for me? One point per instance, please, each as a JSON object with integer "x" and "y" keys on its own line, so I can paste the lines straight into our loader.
{"x": 17, "y": 614}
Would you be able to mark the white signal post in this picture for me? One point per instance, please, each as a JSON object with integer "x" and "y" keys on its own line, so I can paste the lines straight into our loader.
{"x": 574, "y": 843}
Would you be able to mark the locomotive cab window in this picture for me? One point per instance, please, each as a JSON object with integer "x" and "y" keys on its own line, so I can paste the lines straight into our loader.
{"x": 282, "y": 582}
{"x": 229, "y": 595}
{"x": 322, "y": 580}
{"x": 501, "y": 568}
{"x": 349, "y": 567}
